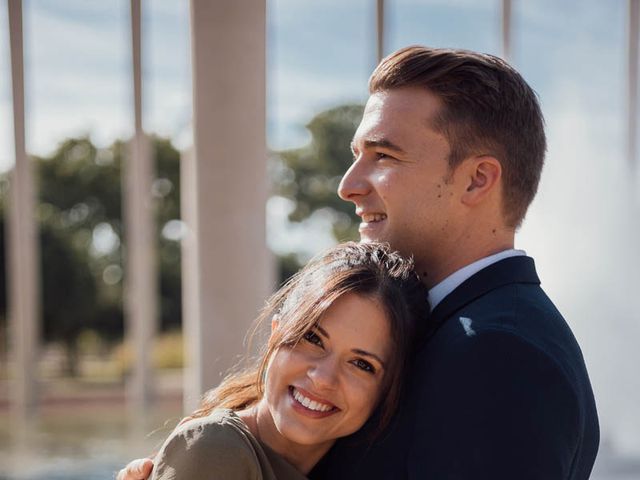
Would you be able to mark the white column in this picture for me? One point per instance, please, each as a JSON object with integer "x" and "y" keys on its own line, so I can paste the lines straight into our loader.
{"x": 506, "y": 30}
{"x": 632, "y": 85}
{"x": 194, "y": 384}
{"x": 22, "y": 243}
{"x": 380, "y": 29}
{"x": 141, "y": 280}
{"x": 229, "y": 274}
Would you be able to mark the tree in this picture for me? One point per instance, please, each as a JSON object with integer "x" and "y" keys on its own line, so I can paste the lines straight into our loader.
{"x": 79, "y": 212}
{"x": 309, "y": 176}
{"x": 80, "y": 221}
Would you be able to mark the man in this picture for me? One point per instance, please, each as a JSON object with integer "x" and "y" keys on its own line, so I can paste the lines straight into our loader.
{"x": 447, "y": 159}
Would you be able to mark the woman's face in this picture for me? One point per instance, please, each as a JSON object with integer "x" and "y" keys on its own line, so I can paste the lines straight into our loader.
{"x": 327, "y": 385}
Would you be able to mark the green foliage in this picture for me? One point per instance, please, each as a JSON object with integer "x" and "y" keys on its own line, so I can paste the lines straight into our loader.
{"x": 167, "y": 353}
{"x": 80, "y": 206}
{"x": 81, "y": 230}
{"x": 309, "y": 176}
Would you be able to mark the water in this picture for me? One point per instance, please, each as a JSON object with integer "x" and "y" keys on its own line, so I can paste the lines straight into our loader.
{"x": 81, "y": 441}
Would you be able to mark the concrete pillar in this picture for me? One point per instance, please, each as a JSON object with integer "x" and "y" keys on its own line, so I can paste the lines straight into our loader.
{"x": 229, "y": 274}
{"x": 141, "y": 279}
{"x": 506, "y": 30}
{"x": 194, "y": 383}
{"x": 22, "y": 243}
{"x": 632, "y": 84}
{"x": 380, "y": 29}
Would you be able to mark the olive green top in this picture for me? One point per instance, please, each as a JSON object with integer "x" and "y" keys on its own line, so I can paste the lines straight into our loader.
{"x": 219, "y": 447}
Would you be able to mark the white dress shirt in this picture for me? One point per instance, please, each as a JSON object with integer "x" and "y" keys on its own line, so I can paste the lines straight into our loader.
{"x": 453, "y": 281}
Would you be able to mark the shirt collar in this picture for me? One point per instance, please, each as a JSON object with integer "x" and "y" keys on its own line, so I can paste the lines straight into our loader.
{"x": 453, "y": 281}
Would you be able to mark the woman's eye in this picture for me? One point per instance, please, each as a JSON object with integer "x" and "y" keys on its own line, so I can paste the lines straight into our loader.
{"x": 313, "y": 337}
{"x": 364, "y": 365}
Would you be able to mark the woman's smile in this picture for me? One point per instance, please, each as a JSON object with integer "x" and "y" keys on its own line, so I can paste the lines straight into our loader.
{"x": 326, "y": 385}
{"x": 310, "y": 405}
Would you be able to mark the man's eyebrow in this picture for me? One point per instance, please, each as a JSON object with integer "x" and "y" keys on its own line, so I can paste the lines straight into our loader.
{"x": 364, "y": 353}
{"x": 382, "y": 143}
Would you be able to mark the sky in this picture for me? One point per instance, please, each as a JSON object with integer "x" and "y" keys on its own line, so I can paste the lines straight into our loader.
{"x": 583, "y": 226}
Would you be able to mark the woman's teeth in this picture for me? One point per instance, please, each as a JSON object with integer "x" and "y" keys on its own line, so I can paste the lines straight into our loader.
{"x": 311, "y": 404}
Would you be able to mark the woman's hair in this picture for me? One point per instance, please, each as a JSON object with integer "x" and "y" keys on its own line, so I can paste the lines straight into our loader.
{"x": 367, "y": 269}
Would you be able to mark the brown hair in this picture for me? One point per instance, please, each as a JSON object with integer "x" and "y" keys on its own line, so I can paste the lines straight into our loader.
{"x": 488, "y": 109}
{"x": 372, "y": 270}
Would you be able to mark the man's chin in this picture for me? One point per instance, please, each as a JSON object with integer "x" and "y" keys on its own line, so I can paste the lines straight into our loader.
{"x": 374, "y": 232}
{"x": 367, "y": 238}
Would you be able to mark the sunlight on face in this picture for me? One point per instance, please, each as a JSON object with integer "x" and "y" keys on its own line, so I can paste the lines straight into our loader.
{"x": 327, "y": 385}
{"x": 397, "y": 180}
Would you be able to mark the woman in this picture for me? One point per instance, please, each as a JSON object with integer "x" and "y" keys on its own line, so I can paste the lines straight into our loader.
{"x": 341, "y": 330}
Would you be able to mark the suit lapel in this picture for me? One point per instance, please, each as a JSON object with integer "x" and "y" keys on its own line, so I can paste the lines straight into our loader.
{"x": 511, "y": 270}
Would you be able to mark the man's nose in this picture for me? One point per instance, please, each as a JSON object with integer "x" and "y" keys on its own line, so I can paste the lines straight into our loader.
{"x": 324, "y": 373}
{"x": 354, "y": 182}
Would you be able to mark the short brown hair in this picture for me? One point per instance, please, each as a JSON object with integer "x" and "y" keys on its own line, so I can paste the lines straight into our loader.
{"x": 488, "y": 109}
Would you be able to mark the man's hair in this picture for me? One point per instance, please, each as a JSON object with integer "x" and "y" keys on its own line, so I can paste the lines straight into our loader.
{"x": 488, "y": 110}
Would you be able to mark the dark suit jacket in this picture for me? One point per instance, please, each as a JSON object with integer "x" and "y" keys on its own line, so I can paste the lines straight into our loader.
{"x": 498, "y": 390}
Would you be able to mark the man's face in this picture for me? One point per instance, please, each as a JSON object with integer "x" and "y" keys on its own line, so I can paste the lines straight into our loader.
{"x": 399, "y": 180}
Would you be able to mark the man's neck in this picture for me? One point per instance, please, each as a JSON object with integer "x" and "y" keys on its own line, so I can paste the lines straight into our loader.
{"x": 436, "y": 270}
{"x": 441, "y": 290}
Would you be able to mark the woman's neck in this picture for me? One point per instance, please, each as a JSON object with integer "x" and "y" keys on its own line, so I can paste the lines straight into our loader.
{"x": 262, "y": 426}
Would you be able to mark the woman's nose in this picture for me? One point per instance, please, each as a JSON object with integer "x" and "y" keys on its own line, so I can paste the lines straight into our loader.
{"x": 324, "y": 373}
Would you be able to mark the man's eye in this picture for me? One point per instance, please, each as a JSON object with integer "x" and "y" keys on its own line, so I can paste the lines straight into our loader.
{"x": 380, "y": 155}
{"x": 313, "y": 337}
{"x": 364, "y": 365}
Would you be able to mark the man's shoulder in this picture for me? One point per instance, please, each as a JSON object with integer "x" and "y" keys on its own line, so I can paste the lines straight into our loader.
{"x": 505, "y": 294}
{"x": 514, "y": 312}
{"x": 519, "y": 318}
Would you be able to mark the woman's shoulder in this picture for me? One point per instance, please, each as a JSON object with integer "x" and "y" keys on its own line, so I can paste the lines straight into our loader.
{"x": 221, "y": 421}
{"x": 222, "y": 429}
{"x": 216, "y": 446}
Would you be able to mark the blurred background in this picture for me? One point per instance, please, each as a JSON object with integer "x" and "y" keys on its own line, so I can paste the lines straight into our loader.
{"x": 92, "y": 367}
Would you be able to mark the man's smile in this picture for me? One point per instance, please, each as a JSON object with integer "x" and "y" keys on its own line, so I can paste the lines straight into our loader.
{"x": 373, "y": 217}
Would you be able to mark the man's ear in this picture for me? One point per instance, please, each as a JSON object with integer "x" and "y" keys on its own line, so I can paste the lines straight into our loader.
{"x": 483, "y": 174}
